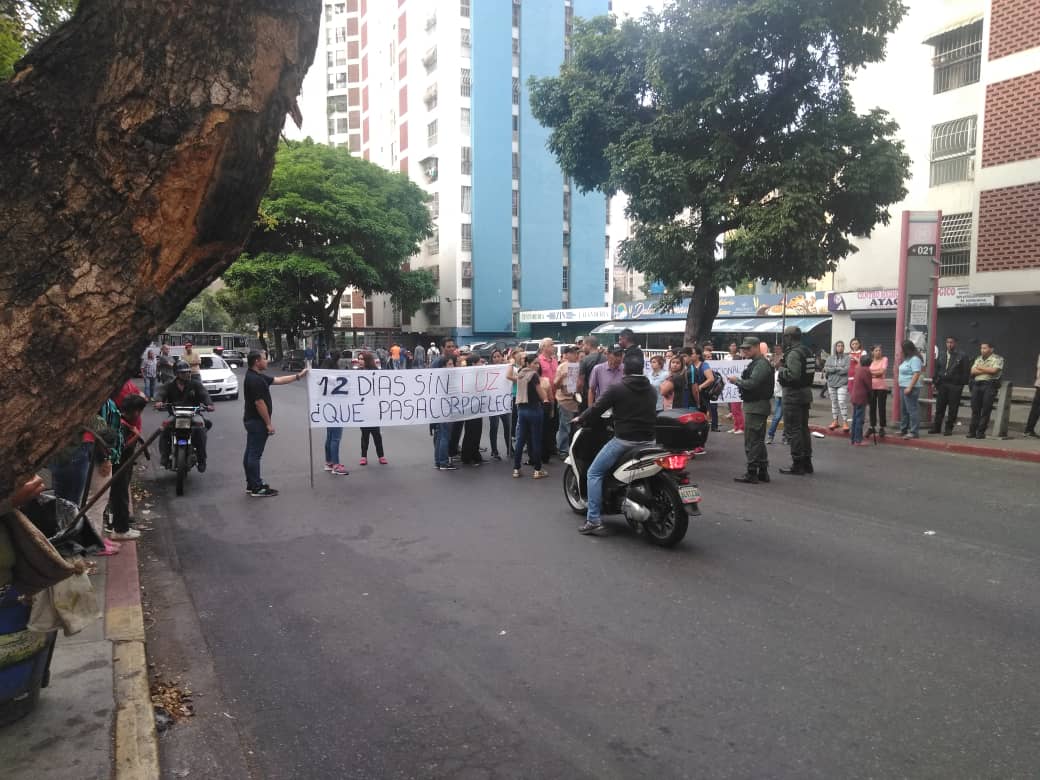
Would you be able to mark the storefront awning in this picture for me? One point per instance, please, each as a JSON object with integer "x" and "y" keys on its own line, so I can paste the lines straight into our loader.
{"x": 763, "y": 325}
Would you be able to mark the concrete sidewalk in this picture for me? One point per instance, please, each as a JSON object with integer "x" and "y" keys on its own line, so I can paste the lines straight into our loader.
{"x": 95, "y": 718}
{"x": 1015, "y": 447}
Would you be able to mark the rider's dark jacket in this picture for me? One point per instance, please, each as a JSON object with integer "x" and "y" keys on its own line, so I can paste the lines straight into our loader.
{"x": 192, "y": 394}
{"x": 634, "y": 402}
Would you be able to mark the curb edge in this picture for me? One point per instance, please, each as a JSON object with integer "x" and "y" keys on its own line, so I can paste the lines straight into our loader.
{"x": 136, "y": 741}
{"x": 936, "y": 446}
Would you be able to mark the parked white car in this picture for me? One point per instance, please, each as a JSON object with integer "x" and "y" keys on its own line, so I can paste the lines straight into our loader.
{"x": 218, "y": 378}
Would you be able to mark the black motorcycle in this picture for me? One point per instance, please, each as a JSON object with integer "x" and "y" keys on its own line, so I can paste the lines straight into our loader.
{"x": 183, "y": 458}
{"x": 649, "y": 484}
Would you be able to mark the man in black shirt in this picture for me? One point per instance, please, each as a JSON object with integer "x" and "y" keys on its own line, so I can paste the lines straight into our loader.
{"x": 593, "y": 357}
{"x": 634, "y": 401}
{"x": 184, "y": 390}
{"x": 256, "y": 390}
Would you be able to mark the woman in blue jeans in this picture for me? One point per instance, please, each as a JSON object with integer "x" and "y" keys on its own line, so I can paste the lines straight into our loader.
{"x": 909, "y": 391}
{"x": 530, "y": 396}
{"x": 333, "y": 436}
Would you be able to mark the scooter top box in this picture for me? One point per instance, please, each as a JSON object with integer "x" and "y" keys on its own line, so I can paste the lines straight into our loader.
{"x": 681, "y": 429}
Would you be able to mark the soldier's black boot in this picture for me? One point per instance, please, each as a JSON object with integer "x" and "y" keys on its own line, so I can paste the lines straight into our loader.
{"x": 763, "y": 474}
{"x": 807, "y": 465}
{"x": 751, "y": 478}
{"x": 794, "y": 468}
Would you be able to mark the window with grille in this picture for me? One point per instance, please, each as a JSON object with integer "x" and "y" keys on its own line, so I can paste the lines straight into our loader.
{"x": 608, "y": 211}
{"x": 565, "y": 275}
{"x": 467, "y": 200}
{"x": 433, "y": 244}
{"x": 516, "y": 15}
{"x": 606, "y": 280}
{"x": 467, "y": 160}
{"x": 435, "y": 272}
{"x": 955, "y": 257}
{"x": 434, "y": 314}
{"x": 338, "y": 103}
{"x": 431, "y": 133}
{"x": 465, "y": 82}
{"x": 516, "y": 241}
{"x": 516, "y": 91}
{"x": 516, "y": 165}
{"x": 467, "y": 237}
{"x": 568, "y": 21}
{"x": 516, "y": 52}
{"x": 516, "y": 203}
{"x": 566, "y": 238}
{"x": 465, "y": 121}
{"x": 958, "y": 57}
{"x": 566, "y": 207}
{"x": 465, "y": 42}
{"x": 516, "y": 127}
{"x": 953, "y": 151}
{"x": 516, "y": 276}
{"x": 467, "y": 273}
{"x": 464, "y": 8}
{"x": 466, "y": 312}
{"x": 435, "y": 205}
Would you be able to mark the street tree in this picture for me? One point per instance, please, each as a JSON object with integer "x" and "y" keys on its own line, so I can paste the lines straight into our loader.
{"x": 361, "y": 223}
{"x": 135, "y": 146}
{"x": 203, "y": 313}
{"x": 730, "y": 125}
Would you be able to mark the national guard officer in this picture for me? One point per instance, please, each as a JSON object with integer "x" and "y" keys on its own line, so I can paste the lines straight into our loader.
{"x": 796, "y": 378}
{"x": 756, "y": 390}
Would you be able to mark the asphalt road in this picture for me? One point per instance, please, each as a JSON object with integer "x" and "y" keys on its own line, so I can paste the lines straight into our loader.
{"x": 880, "y": 619}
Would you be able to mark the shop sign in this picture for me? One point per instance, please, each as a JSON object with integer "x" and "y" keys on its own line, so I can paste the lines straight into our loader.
{"x": 594, "y": 314}
{"x": 888, "y": 300}
{"x": 799, "y": 304}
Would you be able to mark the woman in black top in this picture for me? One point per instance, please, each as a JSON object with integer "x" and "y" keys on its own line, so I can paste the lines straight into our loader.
{"x": 530, "y": 395}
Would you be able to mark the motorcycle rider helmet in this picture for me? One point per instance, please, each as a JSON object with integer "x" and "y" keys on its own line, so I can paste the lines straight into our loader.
{"x": 182, "y": 368}
{"x": 634, "y": 364}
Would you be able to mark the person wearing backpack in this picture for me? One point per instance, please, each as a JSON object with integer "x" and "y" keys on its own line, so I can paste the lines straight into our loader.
{"x": 796, "y": 377}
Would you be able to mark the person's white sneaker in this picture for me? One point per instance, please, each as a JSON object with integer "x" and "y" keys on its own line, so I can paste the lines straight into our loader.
{"x": 127, "y": 536}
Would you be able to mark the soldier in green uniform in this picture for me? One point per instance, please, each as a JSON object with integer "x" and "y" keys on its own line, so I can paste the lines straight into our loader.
{"x": 756, "y": 391}
{"x": 796, "y": 377}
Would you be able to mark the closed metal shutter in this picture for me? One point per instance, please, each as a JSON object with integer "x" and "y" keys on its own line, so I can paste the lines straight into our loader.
{"x": 883, "y": 332}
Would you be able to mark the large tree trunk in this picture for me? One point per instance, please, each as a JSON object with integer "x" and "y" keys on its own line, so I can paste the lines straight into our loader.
{"x": 135, "y": 145}
{"x": 700, "y": 317}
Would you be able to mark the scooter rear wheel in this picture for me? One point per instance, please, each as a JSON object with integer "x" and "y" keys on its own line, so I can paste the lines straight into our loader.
{"x": 572, "y": 492}
{"x": 668, "y": 522}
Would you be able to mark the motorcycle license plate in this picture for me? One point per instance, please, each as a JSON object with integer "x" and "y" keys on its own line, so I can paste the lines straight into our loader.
{"x": 689, "y": 494}
{"x": 183, "y": 422}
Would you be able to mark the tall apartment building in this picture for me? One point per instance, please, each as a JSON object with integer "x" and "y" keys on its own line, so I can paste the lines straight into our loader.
{"x": 437, "y": 89}
{"x": 962, "y": 79}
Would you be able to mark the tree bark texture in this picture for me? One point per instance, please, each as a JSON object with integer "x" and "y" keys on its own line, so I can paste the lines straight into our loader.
{"x": 135, "y": 145}
{"x": 700, "y": 317}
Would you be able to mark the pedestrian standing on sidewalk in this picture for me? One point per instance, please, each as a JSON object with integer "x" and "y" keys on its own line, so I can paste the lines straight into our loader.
{"x": 756, "y": 388}
{"x": 986, "y": 372}
{"x": 333, "y": 436}
{"x": 150, "y": 373}
{"x": 712, "y": 410}
{"x": 657, "y": 375}
{"x": 530, "y": 395}
{"x": 951, "y": 375}
{"x": 1034, "y": 410}
{"x": 836, "y": 370}
{"x": 910, "y": 369}
{"x": 855, "y": 353}
{"x": 878, "y": 391}
{"x": 119, "y": 490}
{"x": 257, "y": 419}
{"x": 736, "y": 409}
{"x": 860, "y": 397}
{"x": 776, "y": 360}
{"x": 796, "y": 377}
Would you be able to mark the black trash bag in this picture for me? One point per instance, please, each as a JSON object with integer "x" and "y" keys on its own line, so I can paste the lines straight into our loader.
{"x": 54, "y": 517}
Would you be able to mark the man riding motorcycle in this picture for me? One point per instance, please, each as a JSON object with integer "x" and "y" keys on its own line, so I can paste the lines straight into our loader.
{"x": 634, "y": 401}
{"x": 184, "y": 390}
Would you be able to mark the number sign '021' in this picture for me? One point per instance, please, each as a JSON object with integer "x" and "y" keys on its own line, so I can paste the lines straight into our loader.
{"x": 386, "y": 398}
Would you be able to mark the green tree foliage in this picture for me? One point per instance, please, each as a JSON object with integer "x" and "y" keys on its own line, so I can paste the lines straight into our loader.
{"x": 34, "y": 20}
{"x": 204, "y": 313}
{"x": 331, "y": 221}
{"x": 11, "y": 48}
{"x": 730, "y": 118}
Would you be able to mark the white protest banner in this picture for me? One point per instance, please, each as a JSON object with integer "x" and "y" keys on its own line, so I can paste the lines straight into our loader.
{"x": 354, "y": 399}
{"x": 725, "y": 368}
